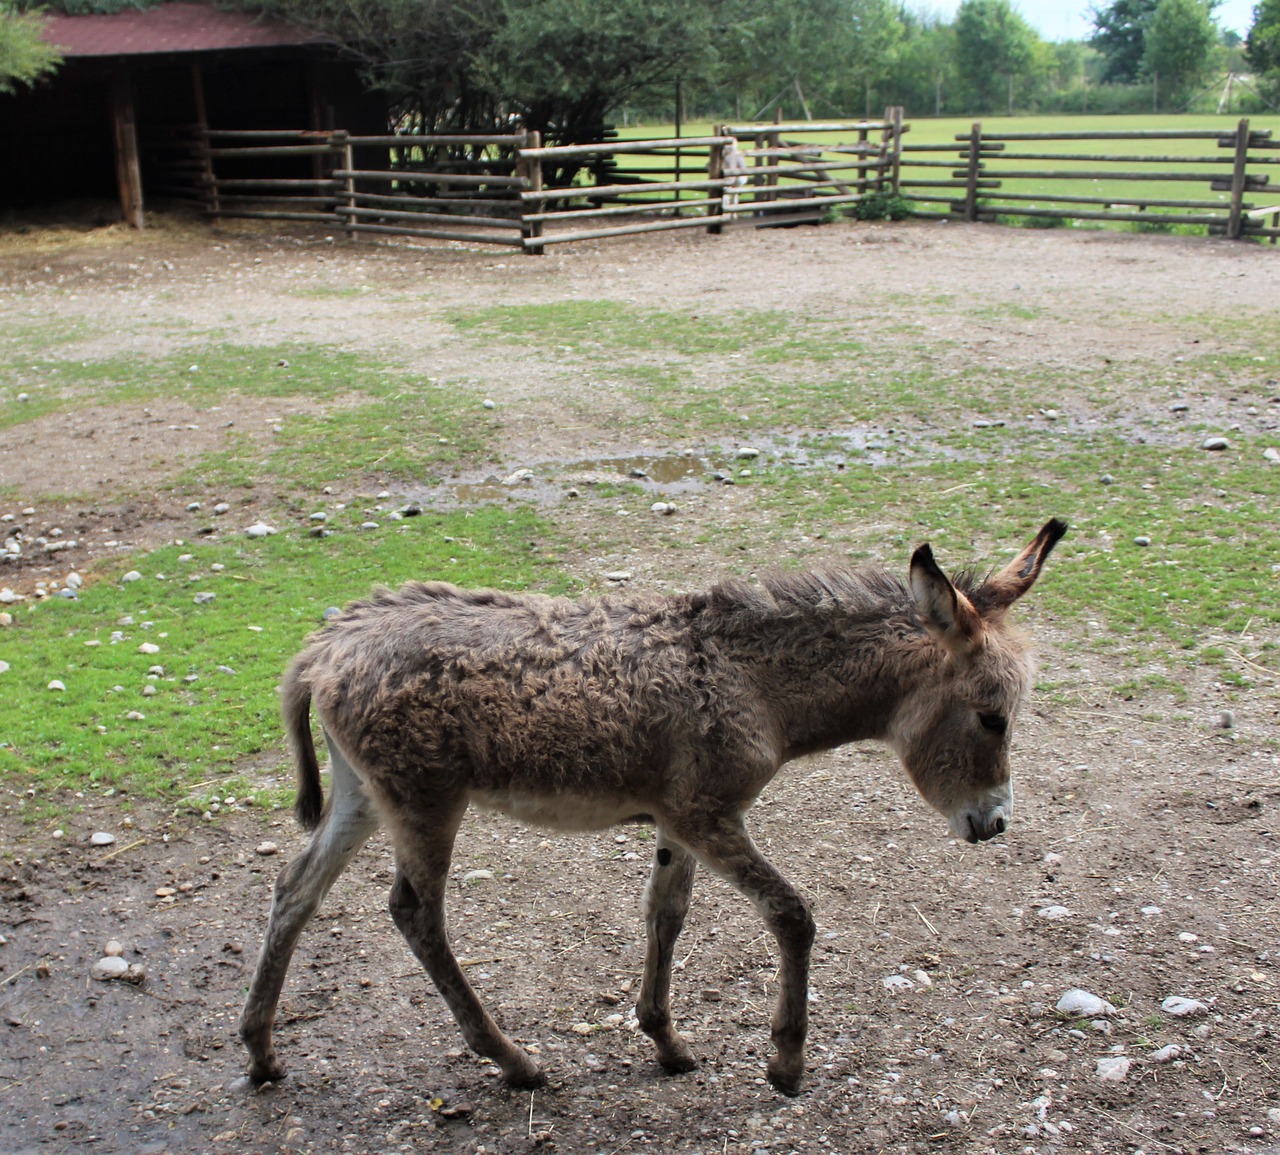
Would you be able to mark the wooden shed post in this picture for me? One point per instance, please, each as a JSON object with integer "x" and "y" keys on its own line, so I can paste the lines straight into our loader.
{"x": 531, "y": 169}
{"x": 975, "y": 166}
{"x": 211, "y": 202}
{"x": 1235, "y": 215}
{"x": 125, "y": 131}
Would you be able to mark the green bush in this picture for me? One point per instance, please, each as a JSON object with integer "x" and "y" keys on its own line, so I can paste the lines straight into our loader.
{"x": 882, "y": 206}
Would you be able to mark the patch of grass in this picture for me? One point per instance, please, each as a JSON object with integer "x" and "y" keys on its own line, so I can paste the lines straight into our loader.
{"x": 1207, "y": 572}
{"x": 203, "y": 375}
{"x": 607, "y": 327}
{"x": 214, "y": 704}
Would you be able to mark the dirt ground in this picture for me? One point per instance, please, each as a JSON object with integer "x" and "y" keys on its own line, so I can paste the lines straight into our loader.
{"x": 1142, "y": 862}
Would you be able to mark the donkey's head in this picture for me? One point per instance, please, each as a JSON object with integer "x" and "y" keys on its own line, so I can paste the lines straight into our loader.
{"x": 953, "y": 728}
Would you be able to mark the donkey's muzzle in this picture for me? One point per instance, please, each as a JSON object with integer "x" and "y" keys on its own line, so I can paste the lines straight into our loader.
{"x": 982, "y": 828}
{"x": 983, "y": 820}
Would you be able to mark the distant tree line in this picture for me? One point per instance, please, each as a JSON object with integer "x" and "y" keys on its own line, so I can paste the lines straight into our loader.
{"x": 566, "y": 67}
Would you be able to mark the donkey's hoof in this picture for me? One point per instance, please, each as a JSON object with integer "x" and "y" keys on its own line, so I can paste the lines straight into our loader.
{"x": 786, "y": 1077}
{"x": 678, "y": 1063}
{"x": 259, "y": 1073}
{"x": 526, "y": 1075}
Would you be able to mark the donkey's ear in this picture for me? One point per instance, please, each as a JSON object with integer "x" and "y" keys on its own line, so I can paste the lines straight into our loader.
{"x": 944, "y": 611}
{"x": 1002, "y": 589}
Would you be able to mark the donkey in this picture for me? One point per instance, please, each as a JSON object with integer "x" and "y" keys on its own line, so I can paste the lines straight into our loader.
{"x": 675, "y": 710}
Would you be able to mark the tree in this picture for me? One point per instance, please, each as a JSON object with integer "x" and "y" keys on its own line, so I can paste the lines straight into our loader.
{"x": 924, "y": 65}
{"x": 1120, "y": 33}
{"x": 1179, "y": 46}
{"x": 994, "y": 47}
{"x": 1263, "y": 47}
{"x": 561, "y": 65}
{"x": 24, "y": 57}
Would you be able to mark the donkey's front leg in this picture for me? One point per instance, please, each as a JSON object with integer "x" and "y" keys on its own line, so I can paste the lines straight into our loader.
{"x": 666, "y": 903}
{"x": 728, "y": 850}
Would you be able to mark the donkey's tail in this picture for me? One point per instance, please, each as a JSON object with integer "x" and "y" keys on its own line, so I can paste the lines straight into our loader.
{"x": 295, "y": 702}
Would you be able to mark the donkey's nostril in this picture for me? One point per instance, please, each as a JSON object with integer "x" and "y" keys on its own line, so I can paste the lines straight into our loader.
{"x": 998, "y": 826}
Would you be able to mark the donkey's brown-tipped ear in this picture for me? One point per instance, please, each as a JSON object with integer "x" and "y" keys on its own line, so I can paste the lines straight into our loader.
{"x": 1001, "y": 590}
{"x": 945, "y": 612}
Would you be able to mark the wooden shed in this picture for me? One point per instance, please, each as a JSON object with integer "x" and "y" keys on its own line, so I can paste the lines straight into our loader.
{"x": 136, "y": 87}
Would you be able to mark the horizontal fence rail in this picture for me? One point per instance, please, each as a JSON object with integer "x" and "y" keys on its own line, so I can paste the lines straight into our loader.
{"x": 510, "y": 189}
{"x": 988, "y": 180}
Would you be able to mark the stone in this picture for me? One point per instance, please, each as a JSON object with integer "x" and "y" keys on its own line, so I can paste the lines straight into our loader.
{"x": 260, "y": 529}
{"x": 113, "y": 949}
{"x": 132, "y": 576}
{"x": 148, "y": 648}
{"x": 1183, "y": 1008}
{"x": 519, "y": 477}
{"x": 1142, "y": 540}
{"x": 478, "y": 876}
{"x": 1113, "y": 1068}
{"x": 1215, "y": 444}
{"x": 204, "y": 597}
{"x": 266, "y": 849}
{"x": 111, "y": 967}
{"x": 1084, "y": 1003}
{"x": 1054, "y": 913}
{"x": 1167, "y": 1054}
{"x": 101, "y": 838}
{"x": 747, "y": 453}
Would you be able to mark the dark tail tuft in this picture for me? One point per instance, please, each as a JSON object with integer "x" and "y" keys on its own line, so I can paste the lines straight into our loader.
{"x": 295, "y": 703}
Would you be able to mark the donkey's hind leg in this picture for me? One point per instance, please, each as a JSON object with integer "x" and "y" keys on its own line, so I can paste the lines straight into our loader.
{"x": 423, "y": 852}
{"x": 666, "y": 903}
{"x": 301, "y": 887}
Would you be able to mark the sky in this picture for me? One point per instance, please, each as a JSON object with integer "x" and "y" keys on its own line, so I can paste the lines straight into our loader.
{"x": 1069, "y": 19}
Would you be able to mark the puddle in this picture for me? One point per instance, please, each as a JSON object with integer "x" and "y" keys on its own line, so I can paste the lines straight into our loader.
{"x": 550, "y": 482}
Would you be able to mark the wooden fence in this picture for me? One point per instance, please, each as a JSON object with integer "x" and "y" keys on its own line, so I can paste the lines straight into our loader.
{"x": 707, "y": 182}
{"x": 491, "y": 189}
{"x": 988, "y": 179}
{"x": 507, "y": 189}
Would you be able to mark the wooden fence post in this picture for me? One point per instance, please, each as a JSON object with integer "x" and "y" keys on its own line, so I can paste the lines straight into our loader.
{"x": 895, "y": 172}
{"x": 715, "y": 170}
{"x": 971, "y": 177}
{"x": 531, "y": 169}
{"x": 349, "y": 163}
{"x": 1235, "y": 215}
{"x": 775, "y": 142}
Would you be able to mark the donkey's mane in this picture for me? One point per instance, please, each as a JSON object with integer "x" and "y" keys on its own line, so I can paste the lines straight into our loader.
{"x": 847, "y": 593}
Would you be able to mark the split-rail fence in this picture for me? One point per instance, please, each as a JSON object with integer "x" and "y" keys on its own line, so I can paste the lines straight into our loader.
{"x": 510, "y": 189}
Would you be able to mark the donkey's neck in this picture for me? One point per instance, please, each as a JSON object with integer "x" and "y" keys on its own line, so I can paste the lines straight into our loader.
{"x": 830, "y": 656}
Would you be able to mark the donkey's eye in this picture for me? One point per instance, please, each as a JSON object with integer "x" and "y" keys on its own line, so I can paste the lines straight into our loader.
{"x": 996, "y": 723}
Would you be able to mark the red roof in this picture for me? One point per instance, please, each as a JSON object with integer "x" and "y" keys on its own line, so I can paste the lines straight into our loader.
{"x": 181, "y": 26}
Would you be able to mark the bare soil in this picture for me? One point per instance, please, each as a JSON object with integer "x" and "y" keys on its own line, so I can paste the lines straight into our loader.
{"x": 1142, "y": 862}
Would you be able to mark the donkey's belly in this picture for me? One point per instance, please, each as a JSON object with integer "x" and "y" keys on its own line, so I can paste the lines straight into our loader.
{"x": 561, "y": 811}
